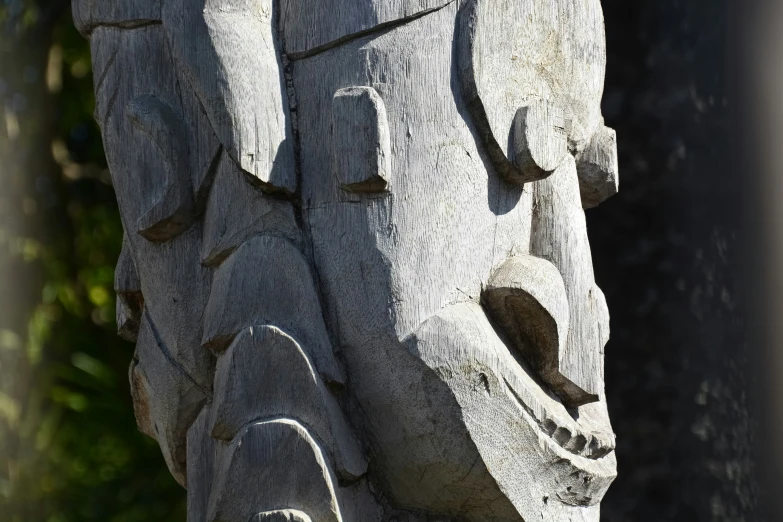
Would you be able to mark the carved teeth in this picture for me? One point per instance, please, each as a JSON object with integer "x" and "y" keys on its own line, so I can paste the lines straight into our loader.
{"x": 592, "y": 445}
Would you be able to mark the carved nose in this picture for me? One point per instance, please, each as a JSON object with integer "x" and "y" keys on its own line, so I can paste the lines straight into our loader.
{"x": 526, "y": 299}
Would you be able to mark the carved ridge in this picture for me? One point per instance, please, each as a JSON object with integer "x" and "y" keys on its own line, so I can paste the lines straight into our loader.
{"x": 300, "y": 55}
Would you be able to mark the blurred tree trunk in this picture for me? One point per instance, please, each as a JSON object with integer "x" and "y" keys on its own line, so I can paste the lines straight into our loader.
{"x": 31, "y": 215}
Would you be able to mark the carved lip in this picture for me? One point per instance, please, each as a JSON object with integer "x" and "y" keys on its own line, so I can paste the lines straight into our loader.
{"x": 563, "y": 430}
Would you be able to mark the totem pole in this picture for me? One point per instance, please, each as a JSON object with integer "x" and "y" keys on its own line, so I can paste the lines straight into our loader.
{"x": 356, "y": 265}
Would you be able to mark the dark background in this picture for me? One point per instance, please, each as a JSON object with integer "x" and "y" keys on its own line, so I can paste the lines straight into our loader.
{"x": 668, "y": 253}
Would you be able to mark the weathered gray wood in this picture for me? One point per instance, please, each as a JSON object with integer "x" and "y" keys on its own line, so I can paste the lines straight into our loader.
{"x": 527, "y": 299}
{"x": 266, "y": 374}
{"x": 286, "y": 515}
{"x": 237, "y": 210}
{"x": 513, "y": 53}
{"x": 505, "y": 410}
{"x": 284, "y": 297}
{"x": 173, "y": 212}
{"x": 165, "y": 397}
{"x": 201, "y": 450}
{"x": 539, "y": 140}
{"x": 356, "y": 253}
{"x": 312, "y": 26}
{"x": 228, "y": 51}
{"x": 89, "y": 14}
{"x": 272, "y": 463}
{"x": 361, "y": 155}
{"x": 130, "y": 300}
{"x": 598, "y": 170}
{"x": 560, "y": 236}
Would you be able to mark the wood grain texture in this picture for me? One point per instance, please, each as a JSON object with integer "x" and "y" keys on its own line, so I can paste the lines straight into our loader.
{"x": 227, "y": 50}
{"x": 560, "y": 236}
{"x": 173, "y": 212}
{"x": 361, "y": 155}
{"x": 356, "y": 260}
{"x": 284, "y": 297}
{"x": 128, "y": 14}
{"x": 236, "y": 210}
{"x": 530, "y": 444}
{"x": 313, "y": 26}
{"x": 201, "y": 451}
{"x": 266, "y": 374}
{"x": 527, "y": 299}
{"x": 513, "y": 53}
{"x": 389, "y": 264}
{"x": 130, "y": 301}
{"x": 272, "y": 463}
{"x": 166, "y": 399}
{"x": 539, "y": 141}
{"x": 597, "y": 167}
{"x": 286, "y": 515}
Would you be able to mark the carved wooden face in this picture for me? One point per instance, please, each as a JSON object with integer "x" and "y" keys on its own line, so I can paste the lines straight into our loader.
{"x": 449, "y": 234}
{"x": 444, "y": 154}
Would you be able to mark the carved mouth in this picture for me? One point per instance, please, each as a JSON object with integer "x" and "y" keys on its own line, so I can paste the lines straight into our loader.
{"x": 565, "y": 432}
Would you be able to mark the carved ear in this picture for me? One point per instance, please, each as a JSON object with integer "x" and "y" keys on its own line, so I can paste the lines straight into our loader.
{"x": 172, "y": 214}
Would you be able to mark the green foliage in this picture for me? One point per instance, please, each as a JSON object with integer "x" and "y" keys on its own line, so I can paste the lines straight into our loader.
{"x": 69, "y": 447}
